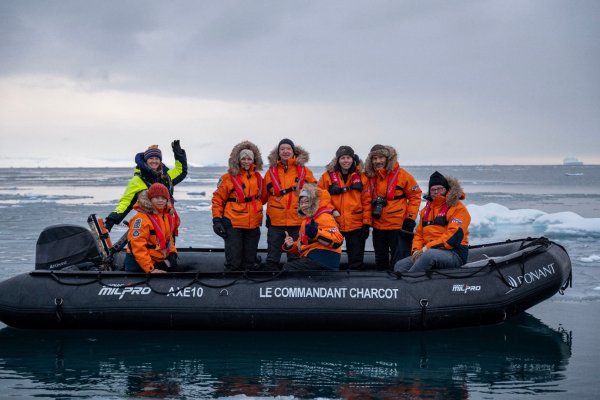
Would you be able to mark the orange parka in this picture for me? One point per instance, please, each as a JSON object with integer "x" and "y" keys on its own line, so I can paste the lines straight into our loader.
{"x": 281, "y": 209}
{"x": 143, "y": 235}
{"x": 444, "y": 222}
{"x": 354, "y": 203}
{"x": 328, "y": 237}
{"x": 403, "y": 198}
{"x": 244, "y": 211}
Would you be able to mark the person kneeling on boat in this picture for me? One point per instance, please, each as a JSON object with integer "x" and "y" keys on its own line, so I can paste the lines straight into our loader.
{"x": 442, "y": 236}
{"x": 319, "y": 243}
{"x": 151, "y": 247}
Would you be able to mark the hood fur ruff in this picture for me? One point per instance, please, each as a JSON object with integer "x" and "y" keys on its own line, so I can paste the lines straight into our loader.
{"x": 302, "y": 156}
{"x": 145, "y": 205}
{"x": 455, "y": 192}
{"x": 392, "y": 158}
{"x": 234, "y": 157}
{"x": 314, "y": 195}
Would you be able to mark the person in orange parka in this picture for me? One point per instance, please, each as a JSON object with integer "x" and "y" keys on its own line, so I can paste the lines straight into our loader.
{"x": 350, "y": 197}
{"x": 320, "y": 241}
{"x": 395, "y": 201}
{"x": 283, "y": 182}
{"x": 442, "y": 237}
{"x": 237, "y": 207}
{"x": 151, "y": 244}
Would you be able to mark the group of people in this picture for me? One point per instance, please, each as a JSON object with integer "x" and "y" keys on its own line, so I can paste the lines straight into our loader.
{"x": 307, "y": 219}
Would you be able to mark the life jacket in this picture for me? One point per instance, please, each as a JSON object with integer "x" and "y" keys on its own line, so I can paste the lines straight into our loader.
{"x": 163, "y": 242}
{"x": 238, "y": 188}
{"x": 391, "y": 186}
{"x": 439, "y": 219}
{"x": 278, "y": 191}
{"x": 336, "y": 186}
{"x": 168, "y": 182}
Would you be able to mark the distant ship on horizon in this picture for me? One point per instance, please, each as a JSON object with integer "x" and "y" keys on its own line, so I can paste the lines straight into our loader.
{"x": 572, "y": 161}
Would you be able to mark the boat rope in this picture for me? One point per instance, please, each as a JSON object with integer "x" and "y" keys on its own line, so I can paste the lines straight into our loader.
{"x": 424, "y": 303}
{"x": 568, "y": 283}
{"x": 57, "y": 279}
{"x": 58, "y": 302}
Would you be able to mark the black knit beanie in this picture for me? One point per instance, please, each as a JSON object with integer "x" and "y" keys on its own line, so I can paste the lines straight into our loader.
{"x": 438, "y": 179}
{"x": 344, "y": 151}
{"x": 287, "y": 141}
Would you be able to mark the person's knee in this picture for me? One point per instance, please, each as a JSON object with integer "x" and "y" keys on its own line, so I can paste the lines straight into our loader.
{"x": 403, "y": 265}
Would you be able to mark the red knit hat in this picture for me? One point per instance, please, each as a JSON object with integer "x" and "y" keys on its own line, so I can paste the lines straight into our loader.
{"x": 158, "y": 189}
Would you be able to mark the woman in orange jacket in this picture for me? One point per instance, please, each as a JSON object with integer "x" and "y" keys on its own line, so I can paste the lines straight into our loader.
{"x": 319, "y": 243}
{"x": 284, "y": 180}
{"x": 151, "y": 245}
{"x": 237, "y": 207}
{"x": 442, "y": 236}
{"x": 348, "y": 189}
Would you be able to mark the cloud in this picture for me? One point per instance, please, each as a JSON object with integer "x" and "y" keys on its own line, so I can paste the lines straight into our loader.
{"x": 469, "y": 81}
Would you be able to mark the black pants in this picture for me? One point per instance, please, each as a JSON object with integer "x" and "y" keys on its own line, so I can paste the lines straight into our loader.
{"x": 303, "y": 264}
{"x": 275, "y": 238}
{"x": 386, "y": 243}
{"x": 240, "y": 248}
{"x": 355, "y": 248}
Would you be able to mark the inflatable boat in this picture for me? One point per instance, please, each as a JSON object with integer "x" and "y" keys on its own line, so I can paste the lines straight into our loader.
{"x": 76, "y": 291}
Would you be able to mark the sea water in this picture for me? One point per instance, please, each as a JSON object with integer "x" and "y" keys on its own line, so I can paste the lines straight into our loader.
{"x": 551, "y": 351}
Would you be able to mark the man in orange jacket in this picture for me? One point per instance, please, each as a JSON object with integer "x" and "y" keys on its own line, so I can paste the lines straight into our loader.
{"x": 319, "y": 241}
{"x": 237, "y": 207}
{"x": 442, "y": 237}
{"x": 348, "y": 188}
{"x": 283, "y": 182}
{"x": 395, "y": 200}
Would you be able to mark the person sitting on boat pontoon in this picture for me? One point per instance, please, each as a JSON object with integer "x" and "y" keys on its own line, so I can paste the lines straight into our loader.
{"x": 319, "y": 242}
{"x": 151, "y": 245}
{"x": 442, "y": 236}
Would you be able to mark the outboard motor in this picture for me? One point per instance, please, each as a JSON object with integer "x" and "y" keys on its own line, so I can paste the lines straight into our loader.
{"x": 61, "y": 246}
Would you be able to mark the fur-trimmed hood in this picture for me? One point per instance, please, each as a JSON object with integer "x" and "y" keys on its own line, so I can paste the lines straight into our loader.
{"x": 145, "y": 205}
{"x": 455, "y": 192}
{"x": 387, "y": 151}
{"x": 314, "y": 196}
{"x": 234, "y": 157}
{"x": 334, "y": 163}
{"x": 302, "y": 156}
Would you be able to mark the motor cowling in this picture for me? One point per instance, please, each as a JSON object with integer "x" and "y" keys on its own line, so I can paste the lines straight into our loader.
{"x": 61, "y": 246}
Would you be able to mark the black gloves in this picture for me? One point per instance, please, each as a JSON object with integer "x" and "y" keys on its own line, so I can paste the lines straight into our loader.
{"x": 408, "y": 225}
{"x": 178, "y": 152}
{"x": 111, "y": 220}
{"x": 219, "y": 228}
{"x": 335, "y": 189}
{"x": 172, "y": 258}
{"x": 311, "y": 229}
{"x": 364, "y": 232}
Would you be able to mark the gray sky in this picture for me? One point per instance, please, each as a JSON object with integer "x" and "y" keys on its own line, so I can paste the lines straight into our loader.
{"x": 444, "y": 82}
